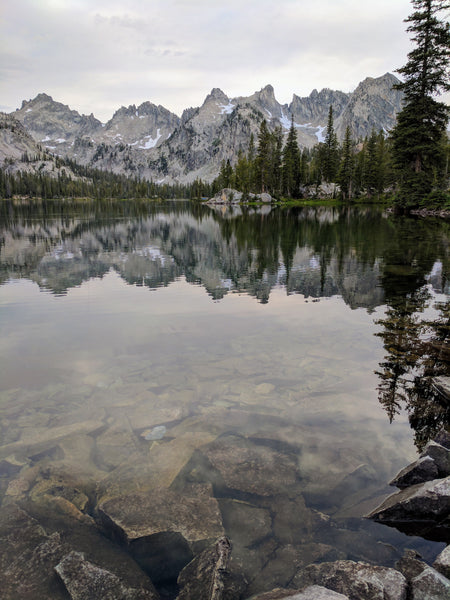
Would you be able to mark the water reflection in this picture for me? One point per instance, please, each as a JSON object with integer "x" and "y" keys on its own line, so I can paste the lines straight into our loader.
{"x": 317, "y": 253}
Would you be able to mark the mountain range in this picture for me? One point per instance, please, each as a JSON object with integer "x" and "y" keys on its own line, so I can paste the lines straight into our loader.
{"x": 152, "y": 142}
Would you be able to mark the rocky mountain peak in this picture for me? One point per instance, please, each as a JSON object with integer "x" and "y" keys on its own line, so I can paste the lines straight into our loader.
{"x": 151, "y": 141}
{"x": 217, "y": 95}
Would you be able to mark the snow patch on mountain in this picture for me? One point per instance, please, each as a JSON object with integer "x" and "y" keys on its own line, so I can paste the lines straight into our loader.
{"x": 151, "y": 142}
{"x": 319, "y": 134}
{"x": 226, "y": 109}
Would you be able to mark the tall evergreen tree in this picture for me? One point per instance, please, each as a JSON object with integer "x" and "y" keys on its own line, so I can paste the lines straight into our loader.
{"x": 417, "y": 138}
{"x": 330, "y": 150}
{"x": 347, "y": 166}
{"x": 263, "y": 158}
{"x": 291, "y": 164}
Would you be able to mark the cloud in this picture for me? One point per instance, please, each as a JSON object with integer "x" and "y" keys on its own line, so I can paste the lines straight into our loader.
{"x": 96, "y": 55}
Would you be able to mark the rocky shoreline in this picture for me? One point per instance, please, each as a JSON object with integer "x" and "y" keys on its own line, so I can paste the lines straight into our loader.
{"x": 53, "y": 545}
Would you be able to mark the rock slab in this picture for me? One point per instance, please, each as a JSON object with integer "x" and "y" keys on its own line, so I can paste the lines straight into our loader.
{"x": 357, "y": 580}
{"x": 86, "y": 581}
{"x": 163, "y": 529}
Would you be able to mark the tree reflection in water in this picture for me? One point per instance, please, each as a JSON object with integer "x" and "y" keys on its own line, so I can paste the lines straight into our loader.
{"x": 418, "y": 351}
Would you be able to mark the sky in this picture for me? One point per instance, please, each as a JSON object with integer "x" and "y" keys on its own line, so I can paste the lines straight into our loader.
{"x": 98, "y": 55}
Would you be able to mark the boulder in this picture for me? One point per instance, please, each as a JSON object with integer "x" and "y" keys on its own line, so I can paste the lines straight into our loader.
{"x": 440, "y": 455}
{"x": 423, "y": 469}
{"x": 238, "y": 467}
{"x": 244, "y": 523}
{"x": 226, "y": 196}
{"x": 357, "y": 580}
{"x": 208, "y": 577}
{"x": 313, "y": 592}
{"x": 430, "y": 585}
{"x": 421, "y": 509}
{"x": 443, "y": 438}
{"x": 86, "y": 581}
{"x": 163, "y": 529}
{"x": 231, "y": 196}
{"x": 410, "y": 565}
{"x": 442, "y": 562}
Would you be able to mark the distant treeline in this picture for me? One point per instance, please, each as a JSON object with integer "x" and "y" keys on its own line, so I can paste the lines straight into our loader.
{"x": 359, "y": 168}
{"x": 90, "y": 183}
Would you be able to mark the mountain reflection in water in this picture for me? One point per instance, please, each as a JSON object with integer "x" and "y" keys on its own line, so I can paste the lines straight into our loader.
{"x": 272, "y": 404}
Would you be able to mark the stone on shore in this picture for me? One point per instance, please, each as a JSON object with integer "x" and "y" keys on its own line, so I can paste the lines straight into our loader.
{"x": 430, "y": 585}
{"x": 442, "y": 562}
{"x": 410, "y": 565}
{"x": 313, "y": 592}
{"x": 357, "y": 580}
{"x": 440, "y": 455}
{"x": 231, "y": 196}
{"x": 421, "y": 509}
{"x": 86, "y": 581}
{"x": 423, "y": 469}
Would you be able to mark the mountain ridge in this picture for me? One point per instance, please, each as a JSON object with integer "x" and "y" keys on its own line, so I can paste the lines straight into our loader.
{"x": 150, "y": 141}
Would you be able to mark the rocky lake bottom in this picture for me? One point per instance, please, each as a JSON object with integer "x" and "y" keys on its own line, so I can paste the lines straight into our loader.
{"x": 153, "y": 400}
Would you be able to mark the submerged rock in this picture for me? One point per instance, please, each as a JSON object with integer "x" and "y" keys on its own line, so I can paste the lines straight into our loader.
{"x": 86, "y": 581}
{"x": 208, "y": 577}
{"x": 238, "y": 467}
{"x": 357, "y": 580}
{"x": 157, "y": 433}
{"x": 163, "y": 529}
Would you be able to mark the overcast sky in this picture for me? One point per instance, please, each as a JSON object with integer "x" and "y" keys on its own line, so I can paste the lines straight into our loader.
{"x": 97, "y": 55}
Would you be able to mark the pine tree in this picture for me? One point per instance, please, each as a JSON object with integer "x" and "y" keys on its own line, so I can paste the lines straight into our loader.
{"x": 330, "y": 151}
{"x": 291, "y": 164}
{"x": 347, "y": 166}
{"x": 371, "y": 173}
{"x": 421, "y": 124}
{"x": 262, "y": 160}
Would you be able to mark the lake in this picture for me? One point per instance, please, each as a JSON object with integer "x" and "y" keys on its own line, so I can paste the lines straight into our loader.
{"x": 247, "y": 351}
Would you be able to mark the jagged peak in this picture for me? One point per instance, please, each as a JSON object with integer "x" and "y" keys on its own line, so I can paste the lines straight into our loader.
{"x": 387, "y": 78}
{"x": 217, "y": 95}
{"x": 267, "y": 91}
{"x": 41, "y": 97}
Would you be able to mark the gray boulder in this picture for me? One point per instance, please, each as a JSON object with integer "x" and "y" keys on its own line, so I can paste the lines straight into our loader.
{"x": 440, "y": 455}
{"x": 86, "y": 581}
{"x": 410, "y": 565}
{"x": 313, "y": 592}
{"x": 231, "y": 196}
{"x": 421, "y": 509}
{"x": 443, "y": 438}
{"x": 163, "y": 529}
{"x": 423, "y": 469}
{"x": 430, "y": 585}
{"x": 357, "y": 580}
{"x": 442, "y": 562}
